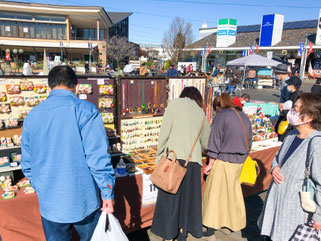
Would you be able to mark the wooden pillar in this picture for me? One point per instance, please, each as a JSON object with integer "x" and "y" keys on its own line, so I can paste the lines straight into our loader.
{"x": 97, "y": 29}
{"x": 68, "y": 28}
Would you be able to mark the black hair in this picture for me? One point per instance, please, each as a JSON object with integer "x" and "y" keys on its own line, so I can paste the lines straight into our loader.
{"x": 62, "y": 75}
{"x": 192, "y": 93}
{"x": 245, "y": 96}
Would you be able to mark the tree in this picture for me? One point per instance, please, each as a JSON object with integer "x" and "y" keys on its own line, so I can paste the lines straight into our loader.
{"x": 178, "y": 36}
{"x": 118, "y": 48}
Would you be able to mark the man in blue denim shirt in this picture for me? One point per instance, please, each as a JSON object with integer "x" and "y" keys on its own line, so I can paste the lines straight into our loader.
{"x": 64, "y": 155}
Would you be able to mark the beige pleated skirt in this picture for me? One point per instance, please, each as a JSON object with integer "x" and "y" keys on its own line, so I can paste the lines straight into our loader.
{"x": 223, "y": 202}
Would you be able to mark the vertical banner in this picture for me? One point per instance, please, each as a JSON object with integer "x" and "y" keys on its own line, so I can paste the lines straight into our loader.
{"x": 243, "y": 53}
{"x": 271, "y": 29}
{"x": 318, "y": 36}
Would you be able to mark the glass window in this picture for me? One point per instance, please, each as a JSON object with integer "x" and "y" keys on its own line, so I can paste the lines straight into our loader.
{"x": 101, "y": 34}
{"x": 7, "y": 15}
{"x": 58, "y": 19}
{"x": 24, "y": 16}
{"x": 42, "y": 18}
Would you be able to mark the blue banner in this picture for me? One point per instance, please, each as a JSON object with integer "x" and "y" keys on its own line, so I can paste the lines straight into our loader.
{"x": 301, "y": 47}
{"x": 221, "y": 32}
{"x": 232, "y": 33}
{"x": 267, "y": 30}
{"x": 243, "y": 53}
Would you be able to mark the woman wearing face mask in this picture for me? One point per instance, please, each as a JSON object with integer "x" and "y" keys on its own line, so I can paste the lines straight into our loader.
{"x": 282, "y": 212}
{"x": 293, "y": 87}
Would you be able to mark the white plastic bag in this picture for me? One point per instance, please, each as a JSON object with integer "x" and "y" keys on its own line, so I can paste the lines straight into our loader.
{"x": 114, "y": 232}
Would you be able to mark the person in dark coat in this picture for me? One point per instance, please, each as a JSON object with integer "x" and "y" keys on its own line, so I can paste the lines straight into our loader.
{"x": 293, "y": 86}
{"x": 316, "y": 88}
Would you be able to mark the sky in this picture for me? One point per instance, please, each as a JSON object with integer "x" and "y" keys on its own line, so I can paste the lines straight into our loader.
{"x": 152, "y": 18}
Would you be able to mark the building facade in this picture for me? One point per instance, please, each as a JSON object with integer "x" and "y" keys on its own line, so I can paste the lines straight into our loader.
{"x": 68, "y": 31}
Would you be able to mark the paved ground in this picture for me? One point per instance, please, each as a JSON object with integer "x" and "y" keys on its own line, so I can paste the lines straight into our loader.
{"x": 253, "y": 204}
{"x": 251, "y": 232}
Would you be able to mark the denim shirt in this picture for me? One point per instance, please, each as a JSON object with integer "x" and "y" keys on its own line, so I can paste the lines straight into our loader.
{"x": 64, "y": 155}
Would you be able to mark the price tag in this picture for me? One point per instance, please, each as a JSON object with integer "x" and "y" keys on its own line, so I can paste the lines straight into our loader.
{"x": 83, "y": 96}
{"x": 13, "y": 164}
{"x": 149, "y": 191}
{"x": 100, "y": 81}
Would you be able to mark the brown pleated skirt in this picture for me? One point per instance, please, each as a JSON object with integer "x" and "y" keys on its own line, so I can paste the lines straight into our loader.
{"x": 223, "y": 202}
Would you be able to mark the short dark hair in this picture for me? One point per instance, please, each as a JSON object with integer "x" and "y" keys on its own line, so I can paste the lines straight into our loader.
{"x": 246, "y": 96}
{"x": 311, "y": 106}
{"x": 62, "y": 75}
{"x": 192, "y": 93}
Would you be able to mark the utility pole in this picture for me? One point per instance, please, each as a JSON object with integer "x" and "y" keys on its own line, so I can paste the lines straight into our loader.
{"x": 303, "y": 59}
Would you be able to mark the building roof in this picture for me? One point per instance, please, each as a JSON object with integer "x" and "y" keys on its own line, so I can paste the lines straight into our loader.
{"x": 116, "y": 17}
{"x": 293, "y": 34}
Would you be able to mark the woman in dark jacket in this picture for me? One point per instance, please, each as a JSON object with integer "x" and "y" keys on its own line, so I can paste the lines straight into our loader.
{"x": 294, "y": 84}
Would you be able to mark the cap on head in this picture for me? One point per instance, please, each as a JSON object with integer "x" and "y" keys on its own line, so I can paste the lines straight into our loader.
{"x": 294, "y": 80}
{"x": 281, "y": 69}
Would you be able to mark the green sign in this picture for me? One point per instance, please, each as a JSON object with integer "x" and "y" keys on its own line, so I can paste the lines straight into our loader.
{"x": 227, "y": 21}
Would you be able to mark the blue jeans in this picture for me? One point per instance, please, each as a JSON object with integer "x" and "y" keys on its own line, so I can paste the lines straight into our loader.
{"x": 62, "y": 231}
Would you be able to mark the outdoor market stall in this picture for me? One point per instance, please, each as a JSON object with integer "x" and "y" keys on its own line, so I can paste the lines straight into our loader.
{"x": 137, "y": 105}
{"x": 256, "y": 61}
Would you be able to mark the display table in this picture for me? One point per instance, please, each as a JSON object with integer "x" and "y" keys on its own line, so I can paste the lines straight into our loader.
{"x": 20, "y": 218}
{"x": 268, "y": 108}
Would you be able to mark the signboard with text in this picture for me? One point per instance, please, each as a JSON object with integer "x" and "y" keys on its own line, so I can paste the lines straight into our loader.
{"x": 318, "y": 36}
{"x": 226, "y": 32}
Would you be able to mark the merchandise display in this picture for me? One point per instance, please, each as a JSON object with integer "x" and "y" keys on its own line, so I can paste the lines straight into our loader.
{"x": 142, "y": 96}
{"x": 5, "y": 108}
{"x": 138, "y": 134}
{"x": 85, "y": 89}
{"x": 27, "y": 86}
{"x": 29, "y": 190}
{"x": 16, "y": 101}
{"x": 4, "y": 161}
{"x": 23, "y": 183}
{"x": 144, "y": 159}
{"x": 262, "y": 127}
{"x": 3, "y": 97}
{"x": 11, "y": 123}
{"x": 177, "y": 84}
{"x": 100, "y": 92}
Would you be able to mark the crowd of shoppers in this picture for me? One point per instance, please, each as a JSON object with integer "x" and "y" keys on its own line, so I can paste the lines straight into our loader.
{"x": 73, "y": 139}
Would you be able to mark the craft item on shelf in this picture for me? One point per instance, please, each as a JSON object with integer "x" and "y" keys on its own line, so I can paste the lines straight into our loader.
{"x": 26, "y": 86}
{"x": 262, "y": 127}
{"x": 16, "y": 157}
{"x": 85, "y": 89}
{"x": 5, "y": 108}
{"x": 4, "y": 161}
{"x": 40, "y": 89}
{"x": 42, "y": 98}
{"x": 17, "y": 140}
{"x": 16, "y": 101}
{"x": 105, "y": 103}
{"x": 106, "y": 90}
{"x": 23, "y": 183}
{"x": 3, "y": 97}
{"x": 140, "y": 133}
{"x": 3, "y": 142}
{"x": 32, "y": 101}
{"x": 13, "y": 89}
{"x": 7, "y": 185}
{"x": 11, "y": 123}
{"x": 29, "y": 190}
{"x": 111, "y": 132}
{"x": 144, "y": 159}
{"x": 22, "y": 114}
{"x": 8, "y": 195}
{"x": 108, "y": 118}
{"x": 9, "y": 142}
{"x": 130, "y": 168}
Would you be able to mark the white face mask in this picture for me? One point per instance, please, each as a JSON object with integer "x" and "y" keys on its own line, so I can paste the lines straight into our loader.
{"x": 289, "y": 89}
{"x": 243, "y": 102}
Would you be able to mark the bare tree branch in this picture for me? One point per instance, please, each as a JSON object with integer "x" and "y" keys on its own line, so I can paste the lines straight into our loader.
{"x": 178, "y": 36}
{"x": 119, "y": 48}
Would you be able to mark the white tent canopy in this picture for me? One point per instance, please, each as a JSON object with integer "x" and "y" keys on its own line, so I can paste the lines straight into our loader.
{"x": 254, "y": 60}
